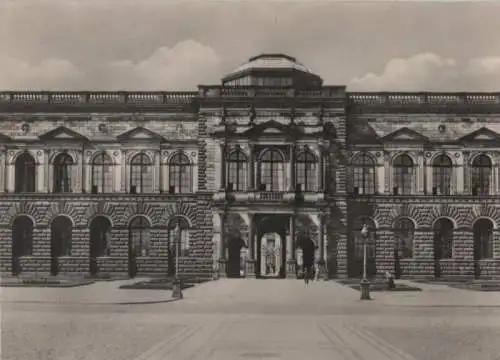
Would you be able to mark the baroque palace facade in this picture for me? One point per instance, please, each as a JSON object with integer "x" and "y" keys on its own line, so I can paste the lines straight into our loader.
{"x": 250, "y": 178}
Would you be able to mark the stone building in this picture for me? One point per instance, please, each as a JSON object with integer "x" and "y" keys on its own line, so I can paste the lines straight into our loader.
{"x": 252, "y": 177}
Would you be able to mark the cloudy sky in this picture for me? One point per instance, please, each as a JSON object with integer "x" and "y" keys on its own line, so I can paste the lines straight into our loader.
{"x": 170, "y": 45}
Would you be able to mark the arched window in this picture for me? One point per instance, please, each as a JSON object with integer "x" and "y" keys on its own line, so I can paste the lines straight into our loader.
{"x": 139, "y": 237}
{"x": 237, "y": 171}
{"x": 272, "y": 171}
{"x": 141, "y": 174}
{"x": 363, "y": 174}
{"x": 483, "y": 239}
{"x": 443, "y": 239}
{"x": 63, "y": 164}
{"x": 22, "y": 236}
{"x": 100, "y": 236}
{"x": 306, "y": 171}
{"x": 180, "y": 174}
{"x": 403, "y": 175}
{"x": 481, "y": 174}
{"x": 442, "y": 168}
{"x": 178, "y": 233}
{"x": 404, "y": 230}
{"x": 61, "y": 236}
{"x": 102, "y": 174}
{"x": 25, "y": 174}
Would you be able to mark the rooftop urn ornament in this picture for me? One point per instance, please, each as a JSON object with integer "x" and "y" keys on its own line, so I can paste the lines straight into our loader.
{"x": 365, "y": 283}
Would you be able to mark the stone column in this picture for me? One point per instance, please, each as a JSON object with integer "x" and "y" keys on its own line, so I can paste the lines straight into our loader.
{"x": 428, "y": 177}
{"x": 291, "y": 263}
{"x": 466, "y": 171}
{"x": 223, "y": 166}
{"x": 124, "y": 181}
{"x": 291, "y": 169}
{"x": 321, "y": 273}
{"x": 251, "y": 169}
{"x": 381, "y": 177}
{"x": 250, "y": 261}
{"x": 157, "y": 187}
{"x": 419, "y": 170}
{"x": 11, "y": 181}
{"x": 3, "y": 165}
{"x": 222, "y": 247}
{"x": 425, "y": 171}
{"x": 40, "y": 173}
{"x": 79, "y": 184}
{"x": 47, "y": 171}
{"x": 321, "y": 178}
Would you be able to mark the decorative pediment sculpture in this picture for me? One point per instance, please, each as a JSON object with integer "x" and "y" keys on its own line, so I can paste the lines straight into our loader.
{"x": 64, "y": 134}
{"x": 405, "y": 134}
{"x": 140, "y": 133}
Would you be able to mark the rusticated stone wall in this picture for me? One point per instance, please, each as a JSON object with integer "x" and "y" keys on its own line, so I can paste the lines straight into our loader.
{"x": 120, "y": 212}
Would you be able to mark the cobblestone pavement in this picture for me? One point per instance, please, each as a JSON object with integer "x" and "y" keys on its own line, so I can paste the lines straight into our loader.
{"x": 251, "y": 319}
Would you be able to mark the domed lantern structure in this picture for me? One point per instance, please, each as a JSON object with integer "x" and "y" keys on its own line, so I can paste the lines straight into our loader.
{"x": 274, "y": 70}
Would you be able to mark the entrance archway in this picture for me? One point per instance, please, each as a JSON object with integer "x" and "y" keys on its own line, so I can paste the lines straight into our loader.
{"x": 100, "y": 235}
{"x": 271, "y": 230}
{"x": 483, "y": 243}
{"x": 271, "y": 260}
{"x": 22, "y": 241}
{"x": 60, "y": 241}
{"x": 234, "y": 258}
{"x": 443, "y": 243}
{"x": 138, "y": 242}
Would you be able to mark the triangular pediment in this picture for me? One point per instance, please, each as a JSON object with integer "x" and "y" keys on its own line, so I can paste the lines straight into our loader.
{"x": 140, "y": 134}
{"x": 62, "y": 133}
{"x": 4, "y": 138}
{"x": 405, "y": 134}
{"x": 273, "y": 128}
{"x": 482, "y": 134}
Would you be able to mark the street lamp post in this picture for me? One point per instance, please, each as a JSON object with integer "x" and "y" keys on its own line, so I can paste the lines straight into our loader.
{"x": 177, "y": 286}
{"x": 365, "y": 284}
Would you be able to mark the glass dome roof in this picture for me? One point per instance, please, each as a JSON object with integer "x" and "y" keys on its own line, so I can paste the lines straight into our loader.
{"x": 272, "y": 70}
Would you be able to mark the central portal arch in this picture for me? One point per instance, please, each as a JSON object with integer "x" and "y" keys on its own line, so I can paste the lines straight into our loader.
{"x": 271, "y": 233}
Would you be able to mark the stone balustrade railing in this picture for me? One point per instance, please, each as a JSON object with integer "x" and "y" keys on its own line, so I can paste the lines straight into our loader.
{"x": 91, "y": 97}
{"x": 186, "y": 97}
{"x": 427, "y": 98}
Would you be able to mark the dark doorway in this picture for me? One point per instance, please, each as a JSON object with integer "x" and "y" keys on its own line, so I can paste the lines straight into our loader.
{"x": 100, "y": 235}
{"x": 270, "y": 249}
{"x": 443, "y": 243}
{"x": 60, "y": 241}
{"x": 138, "y": 244}
{"x": 22, "y": 242}
{"x": 483, "y": 243}
{"x": 404, "y": 230}
{"x": 308, "y": 250}
{"x": 234, "y": 257}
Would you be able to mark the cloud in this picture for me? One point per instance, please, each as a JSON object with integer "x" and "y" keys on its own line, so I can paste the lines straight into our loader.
{"x": 48, "y": 74}
{"x": 181, "y": 67}
{"x": 431, "y": 72}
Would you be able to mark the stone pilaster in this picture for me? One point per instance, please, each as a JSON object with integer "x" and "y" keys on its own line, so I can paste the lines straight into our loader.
{"x": 223, "y": 156}
{"x": 125, "y": 179}
{"x": 291, "y": 168}
{"x": 250, "y": 261}
{"x": 251, "y": 168}
{"x": 222, "y": 247}
{"x": 291, "y": 262}
{"x": 157, "y": 172}
{"x": 3, "y": 166}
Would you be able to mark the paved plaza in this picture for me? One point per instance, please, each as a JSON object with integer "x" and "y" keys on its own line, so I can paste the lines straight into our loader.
{"x": 249, "y": 319}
